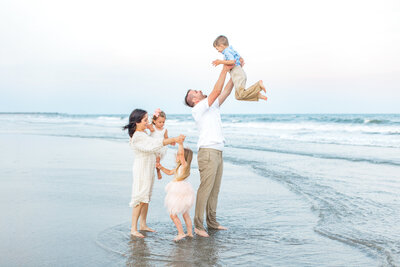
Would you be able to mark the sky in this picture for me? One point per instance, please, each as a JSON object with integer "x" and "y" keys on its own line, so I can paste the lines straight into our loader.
{"x": 109, "y": 57}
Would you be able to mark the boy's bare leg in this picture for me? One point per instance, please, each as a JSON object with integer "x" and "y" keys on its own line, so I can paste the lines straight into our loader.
{"x": 143, "y": 217}
{"x": 262, "y": 86}
{"x": 263, "y": 97}
{"x": 188, "y": 223}
{"x": 135, "y": 216}
{"x": 179, "y": 227}
{"x": 159, "y": 176}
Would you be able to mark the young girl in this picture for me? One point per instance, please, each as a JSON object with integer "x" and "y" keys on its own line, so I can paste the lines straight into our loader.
{"x": 159, "y": 131}
{"x": 180, "y": 194}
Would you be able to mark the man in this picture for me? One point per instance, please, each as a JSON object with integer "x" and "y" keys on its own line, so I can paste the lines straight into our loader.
{"x": 205, "y": 111}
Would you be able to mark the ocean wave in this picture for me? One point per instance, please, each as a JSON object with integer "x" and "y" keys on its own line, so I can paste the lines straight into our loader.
{"x": 318, "y": 155}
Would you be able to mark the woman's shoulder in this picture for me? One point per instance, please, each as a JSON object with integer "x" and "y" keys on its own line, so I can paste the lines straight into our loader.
{"x": 138, "y": 135}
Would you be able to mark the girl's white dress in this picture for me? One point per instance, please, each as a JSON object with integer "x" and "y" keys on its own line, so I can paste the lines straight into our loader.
{"x": 180, "y": 196}
{"x": 159, "y": 134}
{"x": 145, "y": 148}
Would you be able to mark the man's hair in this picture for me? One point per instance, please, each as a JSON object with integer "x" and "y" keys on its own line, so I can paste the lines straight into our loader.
{"x": 189, "y": 99}
{"x": 221, "y": 40}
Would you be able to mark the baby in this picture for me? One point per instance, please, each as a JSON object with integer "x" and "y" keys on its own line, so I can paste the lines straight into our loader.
{"x": 238, "y": 76}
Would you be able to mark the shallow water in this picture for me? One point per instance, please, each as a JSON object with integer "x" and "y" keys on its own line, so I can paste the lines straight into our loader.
{"x": 298, "y": 190}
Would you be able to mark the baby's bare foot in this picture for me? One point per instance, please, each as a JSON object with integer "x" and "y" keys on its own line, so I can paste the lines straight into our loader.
{"x": 137, "y": 234}
{"x": 263, "y": 97}
{"x": 201, "y": 232}
{"x": 179, "y": 237}
{"x": 262, "y": 86}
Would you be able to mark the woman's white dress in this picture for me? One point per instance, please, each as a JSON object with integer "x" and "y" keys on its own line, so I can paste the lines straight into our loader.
{"x": 160, "y": 134}
{"x": 145, "y": 148}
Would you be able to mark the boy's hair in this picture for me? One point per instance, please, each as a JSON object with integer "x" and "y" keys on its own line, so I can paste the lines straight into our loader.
{"x": 161, "y": 114}
{"x": 221, "y": 40}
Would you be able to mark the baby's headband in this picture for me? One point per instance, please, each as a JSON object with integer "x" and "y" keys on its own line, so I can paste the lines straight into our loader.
{"x": 157, "y": 112}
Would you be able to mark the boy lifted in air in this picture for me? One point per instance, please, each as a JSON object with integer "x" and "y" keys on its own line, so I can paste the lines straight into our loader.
{"x": 231, "y": 57}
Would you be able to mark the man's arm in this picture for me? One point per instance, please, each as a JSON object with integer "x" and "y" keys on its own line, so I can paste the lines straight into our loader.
{"x": 227, "y": 91}
{"x": 225, "y": 62}
{"x": 218, "y": 86}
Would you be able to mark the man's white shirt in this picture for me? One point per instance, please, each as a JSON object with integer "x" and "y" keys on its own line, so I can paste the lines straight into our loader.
{"x": 208, "y": 122}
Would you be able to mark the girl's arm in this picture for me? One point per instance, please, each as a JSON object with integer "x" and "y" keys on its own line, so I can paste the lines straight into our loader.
{"x": 150, "y": 127}
{"x": 164, "y": 170}
{"x": 181, "y": 154}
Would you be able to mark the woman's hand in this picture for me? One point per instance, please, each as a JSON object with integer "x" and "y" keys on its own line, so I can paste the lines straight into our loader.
{"x": 158, "y": 165}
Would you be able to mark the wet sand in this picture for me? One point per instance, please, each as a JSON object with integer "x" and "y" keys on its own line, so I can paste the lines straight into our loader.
{"x": 64, "y": 201}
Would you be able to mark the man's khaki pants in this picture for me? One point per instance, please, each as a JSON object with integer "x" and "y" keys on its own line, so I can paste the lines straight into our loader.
{"x": 210, "y": 166}
{"x": 239, "y": 79}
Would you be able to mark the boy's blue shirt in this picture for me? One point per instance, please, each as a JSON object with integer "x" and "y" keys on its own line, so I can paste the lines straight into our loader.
{"x": 231, "y": 54}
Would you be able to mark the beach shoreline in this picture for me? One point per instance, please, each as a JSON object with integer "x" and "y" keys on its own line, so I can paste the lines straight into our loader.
{"x": 65, "y": 201}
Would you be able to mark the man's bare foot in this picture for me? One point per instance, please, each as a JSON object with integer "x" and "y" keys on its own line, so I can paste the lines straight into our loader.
{"x": 263, "y": 97}
{"x": 189, "y": 234}
{"x": 201, "y": 232}
{"x": 137, "y": 234}
{"x": 146, "y": 228}
{"x": 262, "y": 86}
{"x": 220, "y": 227}
{"x": 179, "y": 237}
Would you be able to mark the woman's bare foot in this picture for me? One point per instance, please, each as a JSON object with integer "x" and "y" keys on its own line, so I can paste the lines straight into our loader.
{"x": 146, "y": 228}
{"x": 137, "y": 234}
{"x": 263, "y": 97}
{"x": 179, "y": 237}
{"x": 201, "y": 232}
{"x": 220, "y": 227}
{"x": 262, "y": 86}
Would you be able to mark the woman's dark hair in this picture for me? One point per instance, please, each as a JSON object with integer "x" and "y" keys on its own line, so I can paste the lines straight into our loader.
{"x": 135, "y": 117}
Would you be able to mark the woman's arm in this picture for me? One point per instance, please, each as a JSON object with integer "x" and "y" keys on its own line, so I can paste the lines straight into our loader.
{"x": 169, "y": 141}
{"x": 166, "y": 136}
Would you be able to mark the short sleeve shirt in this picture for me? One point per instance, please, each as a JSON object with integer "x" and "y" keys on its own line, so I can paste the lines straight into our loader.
{"x": 231, "y": 54}
{"x": 208, "y": 122}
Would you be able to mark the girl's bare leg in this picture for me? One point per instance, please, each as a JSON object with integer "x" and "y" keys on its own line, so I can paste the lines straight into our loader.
{"x": 188, "y": 223}
{"x": 159, "y": 176}
{"x": 135, "y": 216}
{"x": 143, "y": 217}
{"x": 179, "y": 227}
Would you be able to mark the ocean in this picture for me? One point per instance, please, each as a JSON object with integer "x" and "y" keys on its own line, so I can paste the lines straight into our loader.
{"x": 297, "y": 190}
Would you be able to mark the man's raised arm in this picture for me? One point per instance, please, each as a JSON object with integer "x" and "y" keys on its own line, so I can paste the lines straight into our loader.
{"x": 227, "y": 91}
{"x": 218, "y": 85}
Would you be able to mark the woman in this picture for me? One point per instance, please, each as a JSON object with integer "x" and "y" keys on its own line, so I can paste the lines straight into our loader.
{"x": 145, "y": 148}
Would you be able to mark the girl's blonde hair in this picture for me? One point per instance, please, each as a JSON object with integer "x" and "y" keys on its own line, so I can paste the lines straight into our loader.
{"x": 188, "y": 155}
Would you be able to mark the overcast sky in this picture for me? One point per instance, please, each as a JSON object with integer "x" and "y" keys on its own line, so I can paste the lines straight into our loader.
{"x": 113, "y": 56}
